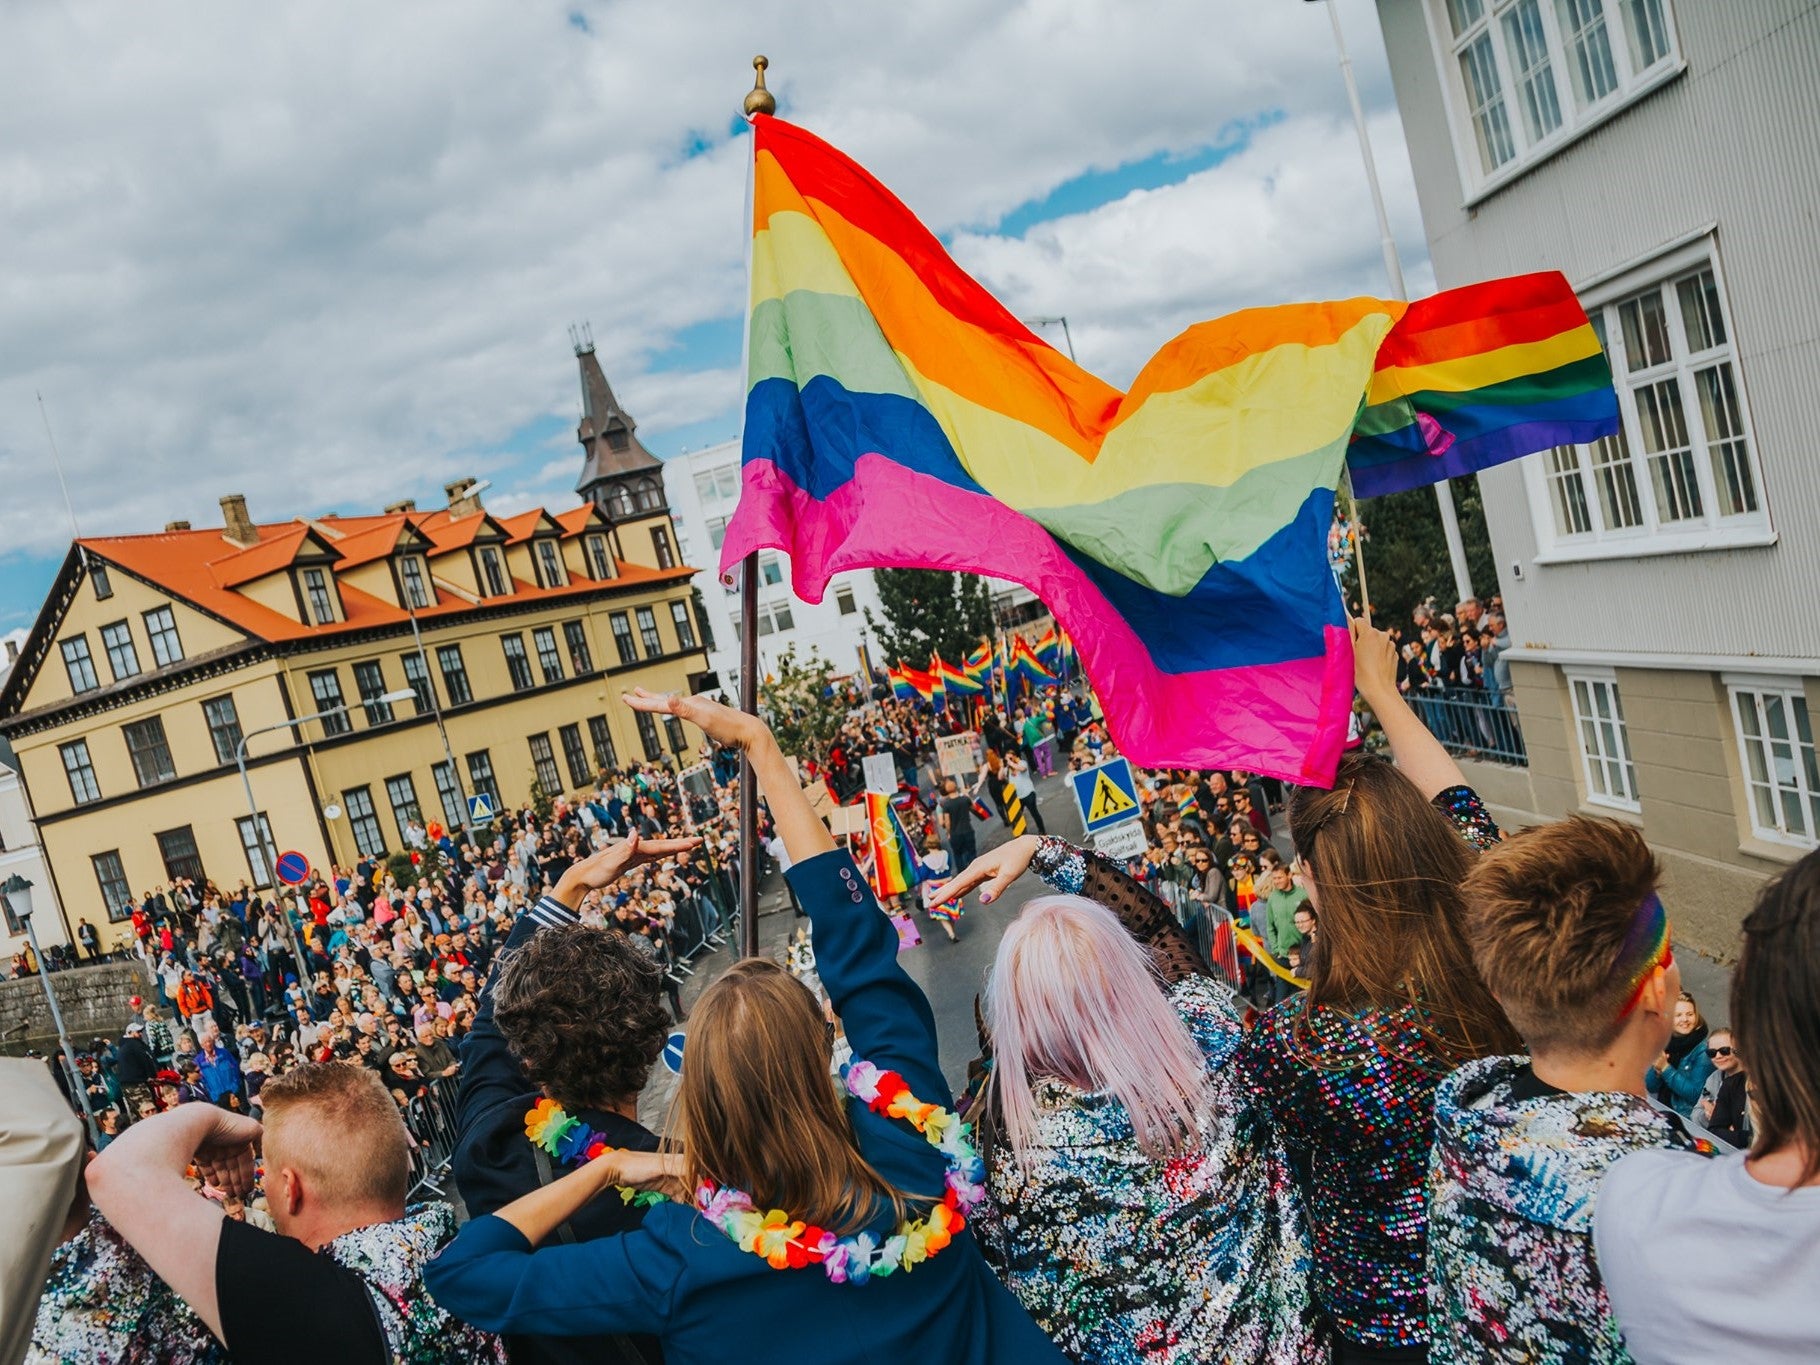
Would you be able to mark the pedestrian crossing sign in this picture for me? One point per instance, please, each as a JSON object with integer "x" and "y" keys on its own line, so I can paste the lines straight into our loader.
{"x": 1106, "y": 795}
{"x": 480, "y": 808}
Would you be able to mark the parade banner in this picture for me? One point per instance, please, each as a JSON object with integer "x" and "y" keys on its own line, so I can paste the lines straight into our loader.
{"x": 898, "y": 415}
{"x": 958, "y": 755}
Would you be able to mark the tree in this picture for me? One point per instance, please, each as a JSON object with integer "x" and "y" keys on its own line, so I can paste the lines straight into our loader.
{"x": 543, "y": 803}
{"x": 805, "y": 709}
{"x": 1406, "y": 552}
{"x": 929, "y": 611}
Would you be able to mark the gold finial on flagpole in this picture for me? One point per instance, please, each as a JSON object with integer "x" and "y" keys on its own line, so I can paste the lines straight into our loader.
{"x": 758, "y": 99}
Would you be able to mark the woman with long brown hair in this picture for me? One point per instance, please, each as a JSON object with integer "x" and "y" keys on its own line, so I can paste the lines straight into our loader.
{"x": 1349, "y": 1068}
{"x": 800, "y": 1211}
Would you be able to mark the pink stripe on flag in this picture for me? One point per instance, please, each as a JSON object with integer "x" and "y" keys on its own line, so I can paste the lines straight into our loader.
{"x": 1286, "y": 720}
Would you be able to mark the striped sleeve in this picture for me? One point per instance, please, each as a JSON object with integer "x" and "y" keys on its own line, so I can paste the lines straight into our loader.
{"x": 552, "y": 913}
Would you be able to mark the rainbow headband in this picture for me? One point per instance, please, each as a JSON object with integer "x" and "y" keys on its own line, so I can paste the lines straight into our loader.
{"x": 1645, "y": 949}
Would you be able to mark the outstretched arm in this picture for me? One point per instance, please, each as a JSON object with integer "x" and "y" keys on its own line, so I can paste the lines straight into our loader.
{"x": 1418, "y": 753}
{"x": 1083, "y": 873}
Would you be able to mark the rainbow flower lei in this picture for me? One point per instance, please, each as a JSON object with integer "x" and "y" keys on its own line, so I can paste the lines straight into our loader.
{"x": 788, "y": 1243}
{"x": 568, "y": 1140}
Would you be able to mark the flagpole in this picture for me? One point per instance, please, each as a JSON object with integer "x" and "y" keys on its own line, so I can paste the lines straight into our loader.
{"x": 758, "y": 101}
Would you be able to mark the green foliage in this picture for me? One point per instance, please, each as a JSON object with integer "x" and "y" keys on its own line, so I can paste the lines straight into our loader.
{"x": 1406, "y": 552}
{"x": 402, "y": 869}
{"x": 801, "y": 705}
{"x": 929, "y": 610}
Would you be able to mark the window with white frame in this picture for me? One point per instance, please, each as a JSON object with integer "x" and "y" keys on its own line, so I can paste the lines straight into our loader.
{"x": 1681, "y": 473}
{"x": 1611, "y": 775}
{"x": 718, "y": 487}
{"x": 1776, "y": 753}
{"x": 1526, "y": 77}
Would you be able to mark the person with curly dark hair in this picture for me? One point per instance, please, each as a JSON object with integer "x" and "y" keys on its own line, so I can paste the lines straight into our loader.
{"x": 575, "y": 1015}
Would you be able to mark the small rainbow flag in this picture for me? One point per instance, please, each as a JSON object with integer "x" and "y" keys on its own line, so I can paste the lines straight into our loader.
{"x": 1026, "y": 664}
{"x": 898, "y": 414}
{"x": 901, "y": 686}
{"x": 978, "y": 663}
{"x": 1048, "y": 649}
{"x": 920, "y": 683}
{"x": 894, "y": 867}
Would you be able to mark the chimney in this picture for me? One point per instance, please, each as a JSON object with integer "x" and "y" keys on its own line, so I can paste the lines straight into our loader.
{"x": 176, "y": 526}
{"x": 238, "y": 526}
{"x": 402, "y": 505}
{"x": 463, "y": 497}
{"x": 12, "y": 653}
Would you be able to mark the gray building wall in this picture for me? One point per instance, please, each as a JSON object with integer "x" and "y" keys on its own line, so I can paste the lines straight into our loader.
{"x": 1732, "y": 143}
{"x": 1730, "y": 146}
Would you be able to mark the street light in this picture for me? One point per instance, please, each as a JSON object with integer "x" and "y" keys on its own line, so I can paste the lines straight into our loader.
{"x": 18, "y": 893}
{"x": 1067, "y": 337}
{"x": 262, "y": 830}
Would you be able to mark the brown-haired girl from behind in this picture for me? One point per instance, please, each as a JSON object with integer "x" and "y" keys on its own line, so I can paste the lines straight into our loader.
{"x": 1720, "y": 1260}
{"x": 1349, "y": 1069}
{"x": 809, "y": 1223}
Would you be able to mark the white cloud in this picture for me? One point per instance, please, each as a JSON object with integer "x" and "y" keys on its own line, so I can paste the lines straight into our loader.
{"x": 327, "y": 254}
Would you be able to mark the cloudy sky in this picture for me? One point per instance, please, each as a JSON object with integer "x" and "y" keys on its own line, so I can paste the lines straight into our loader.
{"x": 327, "y": 254}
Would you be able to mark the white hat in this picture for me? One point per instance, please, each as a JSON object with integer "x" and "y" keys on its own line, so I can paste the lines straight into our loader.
{"x": 135, "y": 1027}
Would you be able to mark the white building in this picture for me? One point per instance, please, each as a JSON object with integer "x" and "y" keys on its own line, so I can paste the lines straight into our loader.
{"x": 702, "y": 488}
{"x": 1663, "y": 155}
{"x": 21, "y": 855}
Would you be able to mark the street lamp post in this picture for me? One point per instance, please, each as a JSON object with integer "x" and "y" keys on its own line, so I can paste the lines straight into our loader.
{"x": 262, "y": 830}
{"x": 467, "y": 821}
{"x": 18, "y": 892}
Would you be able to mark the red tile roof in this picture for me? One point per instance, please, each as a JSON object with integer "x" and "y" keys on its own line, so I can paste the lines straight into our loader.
{"x": 205, "y": 568}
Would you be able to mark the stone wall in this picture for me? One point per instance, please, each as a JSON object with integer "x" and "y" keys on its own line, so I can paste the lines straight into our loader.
{"x": 93, "y": 1001}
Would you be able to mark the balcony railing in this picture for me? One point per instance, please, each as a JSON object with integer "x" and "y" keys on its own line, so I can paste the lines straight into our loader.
{"x": 1473, "y": 724}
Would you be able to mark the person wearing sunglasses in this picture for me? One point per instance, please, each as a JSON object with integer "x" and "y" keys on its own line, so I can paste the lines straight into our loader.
{"x": 1724, "y": 1106}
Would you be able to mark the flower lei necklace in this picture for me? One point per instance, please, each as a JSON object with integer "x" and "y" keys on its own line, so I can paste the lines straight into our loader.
{"x": 790, "y": 1244}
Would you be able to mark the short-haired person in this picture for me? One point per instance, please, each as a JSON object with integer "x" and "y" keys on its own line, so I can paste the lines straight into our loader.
{"x": 575, "y": 1016}
{"x": 1720, "y": 1260}
{"x": 1571, "y": 938}
{"x": 861, "y": 1257}
{"x": 341, "y": 1279}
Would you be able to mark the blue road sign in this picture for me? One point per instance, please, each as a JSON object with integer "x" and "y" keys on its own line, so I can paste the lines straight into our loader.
{"x": 480, "y": 808}
{"x": 293, "y": 868}
{"x": 673, "y": 1050}
{"x": 1106, "y": 795}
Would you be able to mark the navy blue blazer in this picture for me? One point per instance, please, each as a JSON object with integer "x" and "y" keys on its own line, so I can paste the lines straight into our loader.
{"x": 682, "y": 1279}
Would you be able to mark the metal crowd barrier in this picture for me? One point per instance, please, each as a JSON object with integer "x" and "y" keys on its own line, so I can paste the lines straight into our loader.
{"x": 431, "y": 1120}
{"x": 1473, "y": 724}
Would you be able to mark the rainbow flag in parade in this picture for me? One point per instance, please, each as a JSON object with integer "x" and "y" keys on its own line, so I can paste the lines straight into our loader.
{"x": 956, "y": 681}
{"x": 898, "y": 415}
{"x": 978, "y": 663}
{"x": 920, "y": 683}
{"x": 1048, "y": 649}
{"x": 1026, "y": 664}
{"x": 895, "y": 867}
{"x": 901, "y": 686}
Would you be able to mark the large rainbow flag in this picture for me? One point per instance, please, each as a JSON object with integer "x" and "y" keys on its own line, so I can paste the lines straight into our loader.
{"x": 898, "y": 414}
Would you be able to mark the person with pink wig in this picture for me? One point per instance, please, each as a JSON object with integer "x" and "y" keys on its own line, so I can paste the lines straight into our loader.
{"x": 1140, "y": 1205}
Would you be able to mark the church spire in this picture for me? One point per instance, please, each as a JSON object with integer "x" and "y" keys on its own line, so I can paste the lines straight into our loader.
{"x": 607, "y": 433}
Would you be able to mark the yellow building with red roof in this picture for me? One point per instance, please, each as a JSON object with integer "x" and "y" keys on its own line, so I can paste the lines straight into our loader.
{"x": 155, "y": 656}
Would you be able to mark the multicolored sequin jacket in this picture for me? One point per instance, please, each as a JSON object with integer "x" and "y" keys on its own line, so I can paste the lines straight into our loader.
{"x": 1122, "y": 1257}
{"x": 103, "y": 1305}
{"x": 390, "y": 1258}
{"x": 1512, "y": 1185}
{"x": 1352, "y": 1095}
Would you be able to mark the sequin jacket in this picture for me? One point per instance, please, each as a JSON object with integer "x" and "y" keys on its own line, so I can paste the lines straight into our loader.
{"x": 1122, "y": 1257}
{"x": 1353, "y": 1098}
{"x": 390, "y": 1258}
{"x": 1512, "y": 1186}
{"x": 103, "y": 1305}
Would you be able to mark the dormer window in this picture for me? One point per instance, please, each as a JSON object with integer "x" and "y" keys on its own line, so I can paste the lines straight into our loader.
{"x": 619, "y": 501}
{"x": 320, "y": 597}
{"x": 617, "y": 438}
{"x": 650, "y": 496}
{"x": 492, "y": 571}
{"x": 549, "y": 565}
{"x": 599, "y": 564}
{"x": 416, "y": 584}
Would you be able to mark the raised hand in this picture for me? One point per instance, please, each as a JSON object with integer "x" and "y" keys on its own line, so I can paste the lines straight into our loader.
{"x": 604, "y": 868}
{"x": 721, "y": 723}
{"x": 224, "y": 1157}
{"x": 993, "y": 870}
{"x": 1374, "y": 661}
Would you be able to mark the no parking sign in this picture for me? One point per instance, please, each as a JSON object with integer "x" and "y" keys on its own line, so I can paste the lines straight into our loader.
{"x": 293, "y": 868}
